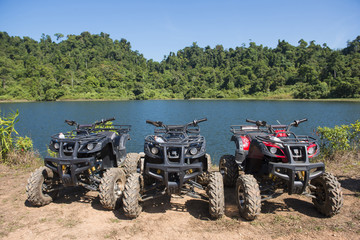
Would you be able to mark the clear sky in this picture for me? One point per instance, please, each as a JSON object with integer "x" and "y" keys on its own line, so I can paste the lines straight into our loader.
{"x": 157, "y": 27}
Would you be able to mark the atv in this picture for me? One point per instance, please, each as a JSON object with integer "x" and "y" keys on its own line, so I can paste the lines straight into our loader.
{"x": 273, "y": 160}
{"x": 92, "y": 156}
{"x": 174, "y": 162}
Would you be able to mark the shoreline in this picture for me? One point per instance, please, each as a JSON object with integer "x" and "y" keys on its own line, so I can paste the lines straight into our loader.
{"x": 191, "y": 99}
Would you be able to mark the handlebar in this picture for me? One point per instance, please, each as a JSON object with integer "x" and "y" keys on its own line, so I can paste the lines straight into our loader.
{"x": 161, "y": 124}
{"x": 264, "y": 124}
{"x": 70, "y": 122}
{"x": 104, "y": 121}
{"x": 73, "y": 123}
{"x": 258, "y": 122}
{"x": 196, "y": 122}
{"x": 297, "y": 122}
{"x": 156, "y": 124}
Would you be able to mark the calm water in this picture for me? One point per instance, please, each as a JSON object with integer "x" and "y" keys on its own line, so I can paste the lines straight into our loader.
{"x": 39, "y": 120}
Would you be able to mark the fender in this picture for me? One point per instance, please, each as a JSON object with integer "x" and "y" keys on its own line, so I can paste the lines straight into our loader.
{"x": 242, "y": 144}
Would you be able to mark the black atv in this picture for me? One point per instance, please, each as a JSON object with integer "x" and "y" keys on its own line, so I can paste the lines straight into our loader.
{"x": 175, "y": 159}
{"x": 274, "y": 160}
{"x": 92, "y": 156}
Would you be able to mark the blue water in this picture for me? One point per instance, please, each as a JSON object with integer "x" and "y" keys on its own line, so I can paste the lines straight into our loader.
{"x": 40, "y": 120}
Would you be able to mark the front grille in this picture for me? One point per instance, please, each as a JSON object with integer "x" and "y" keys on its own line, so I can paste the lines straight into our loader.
{"x": 298, "y": 153}
{"x": 174, "y": 154}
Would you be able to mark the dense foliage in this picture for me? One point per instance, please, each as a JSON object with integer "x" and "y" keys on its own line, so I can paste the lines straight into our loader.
{"x": 14, "y": 149}
{"x": 90, "y": 66}
{"x": 340, "y": 138}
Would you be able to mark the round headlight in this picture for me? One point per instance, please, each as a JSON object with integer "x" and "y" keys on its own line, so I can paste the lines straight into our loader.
{"x": 273, "y": 150}
{"x": 311, "y": 150}
{"x": 90, "y": 146}
{"x": 193, "y": 151}
{"x": 154, "y": 150}
{"x": 56, "y": 146}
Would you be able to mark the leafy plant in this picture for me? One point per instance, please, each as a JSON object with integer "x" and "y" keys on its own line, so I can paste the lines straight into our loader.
{"x": 24, "y": 144}
{"x": 342, "y": 137}
{"x": 7, "y": 129}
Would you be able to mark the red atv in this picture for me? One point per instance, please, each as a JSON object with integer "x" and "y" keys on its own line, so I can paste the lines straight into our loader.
{"x": 274, "y": 160}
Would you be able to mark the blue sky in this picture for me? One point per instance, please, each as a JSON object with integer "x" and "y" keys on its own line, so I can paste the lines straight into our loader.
{"x": 156, "y": 27}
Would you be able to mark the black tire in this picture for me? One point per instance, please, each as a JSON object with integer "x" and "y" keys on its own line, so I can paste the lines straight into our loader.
{"x": 131, "y": 205}
{"x": 328, "y": 193}
{"x": 216, "y": 196}
{"x": 229, "y": 169}
{"x": 38, "y": 188}
{"x": 111, "y": 188}
{"x": 131, "y": 163}
{"x": 248, "y": 197}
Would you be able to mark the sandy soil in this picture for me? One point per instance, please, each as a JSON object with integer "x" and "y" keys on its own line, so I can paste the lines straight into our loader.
{"x": 78, "y": 214}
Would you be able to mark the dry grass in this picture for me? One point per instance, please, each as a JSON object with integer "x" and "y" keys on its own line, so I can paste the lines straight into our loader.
{"x": 28, "y": 160}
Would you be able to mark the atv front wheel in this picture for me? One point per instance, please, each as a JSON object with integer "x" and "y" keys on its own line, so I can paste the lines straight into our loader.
{"x": 131, "y": 163}
{"x": 248, "y": 197}
{"x": 39, "y": 188}
{"x": 111, "y": 188}
{"x": 203, "y": 178}
{"x": 216, "y": 195}
{"x": 328, "y": 193}
{"x": 229, "y": 169}
{"x": 131, "y": 205}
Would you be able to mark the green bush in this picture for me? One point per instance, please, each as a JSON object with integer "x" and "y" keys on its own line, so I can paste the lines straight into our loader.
{"x": 7, "y": 129}
{"x": 339, "y": 138}
{"x": 24, "y": 144}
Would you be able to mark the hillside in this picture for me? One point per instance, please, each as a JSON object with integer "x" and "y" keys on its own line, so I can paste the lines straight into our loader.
{"x": 94, "y": 66}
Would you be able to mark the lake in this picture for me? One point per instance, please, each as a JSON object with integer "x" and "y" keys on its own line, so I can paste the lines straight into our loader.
{"x": 40, "y": 120}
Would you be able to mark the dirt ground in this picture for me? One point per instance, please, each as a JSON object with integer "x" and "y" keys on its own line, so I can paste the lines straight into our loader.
{"x": 78, "y": 214}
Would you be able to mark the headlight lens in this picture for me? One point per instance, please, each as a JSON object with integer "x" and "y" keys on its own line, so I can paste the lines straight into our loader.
{"x": 311, "y": 150}
{"x": 90, "y": 146}
{"x": 154, "y": 150}
{"x": 273, "y": 150}
{"x": 193, "y": 151}
{"x": 56, "y": 146}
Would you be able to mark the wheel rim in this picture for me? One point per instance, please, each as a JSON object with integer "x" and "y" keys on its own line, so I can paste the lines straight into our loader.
{"x": 320, "y": 193}
{"x": 46, "y": 187}
{"x": 221, "y": 168}
{"x": 119, "y": 188}
{"x": 241, "y": 197}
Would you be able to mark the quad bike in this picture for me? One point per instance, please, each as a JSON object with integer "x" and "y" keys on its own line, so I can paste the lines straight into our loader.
{"x": 174, "y": 162}
{"x": 92, "y": 156}
{"x": 274, "y": 160}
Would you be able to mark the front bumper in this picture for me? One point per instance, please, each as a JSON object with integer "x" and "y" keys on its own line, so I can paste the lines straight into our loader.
{"x": 69, "y": 168}
{"x": 291, "y": 173}
{"x": 173, "y": 174}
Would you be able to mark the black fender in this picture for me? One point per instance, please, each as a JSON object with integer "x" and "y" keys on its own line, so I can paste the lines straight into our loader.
{"x": 240, "y": 153}
{"x": 120, "y": 148}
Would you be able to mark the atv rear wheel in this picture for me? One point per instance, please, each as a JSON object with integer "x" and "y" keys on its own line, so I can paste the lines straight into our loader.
{"x": 39, "y": 187}
{"x": 131, "y": 163}
{"x": 229, "y": 169}
{"x": 328, "y": 193}
{"x": 216, "y": 195}
{"x": 131, "y": 205}
{"x": 248, "y": 197}
{"x": 111, "y": 188}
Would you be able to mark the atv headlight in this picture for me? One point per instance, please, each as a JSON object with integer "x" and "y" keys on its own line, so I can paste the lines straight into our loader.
{"x": 273, "y": 150}
{"x": 90, "y": 146}
{"x": 311, "y": 150}
{"x": 154, "y": 150}
{"x": 193, "y": 151}
{"x": 56, "y": 146}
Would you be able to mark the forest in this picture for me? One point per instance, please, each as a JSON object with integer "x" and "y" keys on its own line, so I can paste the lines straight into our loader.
{"x": 94, "y": 66}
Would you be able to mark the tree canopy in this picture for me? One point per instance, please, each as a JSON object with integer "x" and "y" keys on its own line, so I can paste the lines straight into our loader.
{"x": 93, "y": 66}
